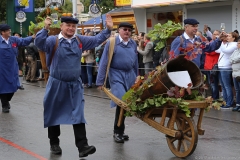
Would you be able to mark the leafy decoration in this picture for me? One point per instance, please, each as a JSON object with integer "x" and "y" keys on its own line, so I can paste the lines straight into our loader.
{"x": 139, "y": 106}
{"x": 47, "y": 12}
{"x": 162, "y": 32}
{"x": 212, "y": 104}
{"x": 175, "y": 95}
{"x": 40, "y": 25}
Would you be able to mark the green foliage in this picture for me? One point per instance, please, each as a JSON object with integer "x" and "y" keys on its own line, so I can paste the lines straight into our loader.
{"x": 155, "y": 102}
{"x": 67, "y": 7}
{"x": 161, "y": 32}
{"x": 106, "y": 5}
{"x": 86, "y": 4}
{"x": 193, "y": 95}
{"x": 32, "y": 27}
{"x": 3, "y": 11}
{"x": 136, "y": 105}
{"x": 39, "y": 3}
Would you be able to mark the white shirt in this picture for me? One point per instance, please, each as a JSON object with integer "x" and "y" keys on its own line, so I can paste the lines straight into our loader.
{"x": 226, "y": 51}
{"x": 124, "y": 42}
{"x": 7, "y": 41}
{"x": 68, "y": 39}
{"x": 187, "y": 37}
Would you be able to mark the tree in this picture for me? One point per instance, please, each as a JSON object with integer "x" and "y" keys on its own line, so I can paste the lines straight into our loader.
{"x": 3, "y": 12}
{"x": 105, "y": 5}
{"x": 39, "y": 3}
{"x": 67, "y": 6}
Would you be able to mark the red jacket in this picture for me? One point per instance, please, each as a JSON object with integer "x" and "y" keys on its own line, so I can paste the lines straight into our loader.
{"x": 210, "y": 60}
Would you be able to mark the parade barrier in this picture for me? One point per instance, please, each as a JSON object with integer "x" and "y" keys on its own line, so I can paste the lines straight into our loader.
{"x": 181, "y": 131}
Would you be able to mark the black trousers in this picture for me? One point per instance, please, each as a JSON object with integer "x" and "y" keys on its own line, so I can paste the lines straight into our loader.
{"x": 118, "y": 130}
{"x": 79, "y": 133}
{"x": 5, "y": 98}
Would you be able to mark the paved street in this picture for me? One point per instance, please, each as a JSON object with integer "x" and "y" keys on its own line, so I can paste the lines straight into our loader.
{"x": 22, "y": 136}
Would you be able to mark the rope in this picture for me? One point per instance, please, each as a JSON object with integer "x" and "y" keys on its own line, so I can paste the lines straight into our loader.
{"x": 161, "y": 82}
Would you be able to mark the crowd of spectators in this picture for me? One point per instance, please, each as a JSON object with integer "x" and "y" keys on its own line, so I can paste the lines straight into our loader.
{"x": 223, "y": 85}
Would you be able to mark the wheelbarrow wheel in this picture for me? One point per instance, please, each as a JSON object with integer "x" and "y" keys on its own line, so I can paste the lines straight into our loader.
{"x": 183, "y": 145}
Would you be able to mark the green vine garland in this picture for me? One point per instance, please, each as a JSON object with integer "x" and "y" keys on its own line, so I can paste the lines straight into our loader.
{"x": 136, "y": 105}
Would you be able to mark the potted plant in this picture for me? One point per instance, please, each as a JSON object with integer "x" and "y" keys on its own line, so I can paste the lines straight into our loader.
{"x": 55, "y": 27}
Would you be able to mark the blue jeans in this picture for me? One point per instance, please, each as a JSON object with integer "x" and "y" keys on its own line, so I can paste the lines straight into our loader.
{"x": 84, "y": 73}
{"x": 225, "y": 79}
{"x": 89, "y": 73}
{"x": 237, "y": 90}
{"x": 213, "y": 81}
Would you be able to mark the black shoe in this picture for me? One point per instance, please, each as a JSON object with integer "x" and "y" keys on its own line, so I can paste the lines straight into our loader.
{"x": 5, "y": 110}
{"x": 28, "y": 80}
{"x": 86, "y": 150}
{"x": 9, "y": 106}
{"x": 55, "y": 149}
{"x": 21, "y": 87}
{"x": 118, "y": 138}
{"x": 33, "y": 81}
{"x": 236, "y": 108}
{"x": 125, "y": 137}
{"x": 89, "y": 86}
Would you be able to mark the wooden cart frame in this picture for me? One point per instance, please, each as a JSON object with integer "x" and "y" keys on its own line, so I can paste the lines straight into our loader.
{"x": 181, "y": 131}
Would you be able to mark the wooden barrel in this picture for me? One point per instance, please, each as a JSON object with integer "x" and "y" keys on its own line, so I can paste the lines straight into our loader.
{"x": 44, "y": 65}
{"x": 53, "y": 31}
{"x": 162, "y": 82}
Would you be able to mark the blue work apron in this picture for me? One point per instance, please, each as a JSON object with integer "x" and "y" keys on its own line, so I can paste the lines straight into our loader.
{"x": 63, "y": 100}
{"x": 9, "y": 80}
{"x": 122, "y": 72}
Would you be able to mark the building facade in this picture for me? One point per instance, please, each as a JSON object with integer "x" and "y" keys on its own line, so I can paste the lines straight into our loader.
{"x": 210, "y": 12}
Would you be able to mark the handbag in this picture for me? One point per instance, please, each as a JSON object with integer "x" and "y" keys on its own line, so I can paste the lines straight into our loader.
{"x": 215, "y": 68}
{"x": 238, "y": 78}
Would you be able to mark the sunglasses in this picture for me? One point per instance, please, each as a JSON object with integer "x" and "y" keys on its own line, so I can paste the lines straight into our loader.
{"x": 127, "y": 29}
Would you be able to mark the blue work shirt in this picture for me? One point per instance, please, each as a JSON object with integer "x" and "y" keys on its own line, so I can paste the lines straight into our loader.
{"x": 63, "y": 99}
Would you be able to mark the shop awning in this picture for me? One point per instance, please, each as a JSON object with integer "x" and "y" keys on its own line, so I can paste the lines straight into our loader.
{"x": 155, "y": 3}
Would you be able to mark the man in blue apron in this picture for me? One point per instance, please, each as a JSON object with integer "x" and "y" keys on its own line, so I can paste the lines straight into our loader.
{"x": 9, "y": 79}
{"x": 122, "y": 72}
{"x": 63, "y": 100}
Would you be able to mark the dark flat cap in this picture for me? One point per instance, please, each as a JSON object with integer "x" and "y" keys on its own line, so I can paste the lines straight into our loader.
{"x": 191, "y": 21}
{"x": 125, "y": 24}
{"x": 69, "y": 20}
{"x": 4, "y": 27}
